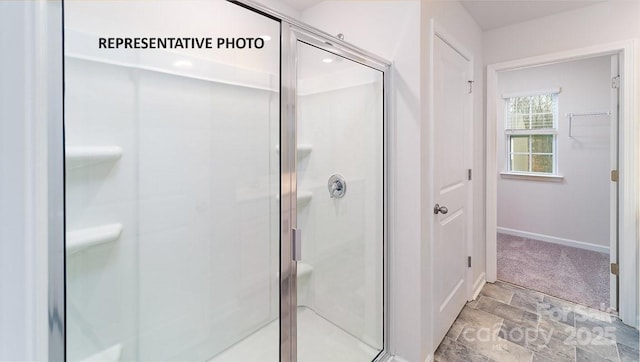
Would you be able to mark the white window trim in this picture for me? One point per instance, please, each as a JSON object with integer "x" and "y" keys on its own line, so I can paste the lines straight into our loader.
{"x": 531, "y": 94}
{"x": 528, "y": 132}
{"x": 532, "y": 176}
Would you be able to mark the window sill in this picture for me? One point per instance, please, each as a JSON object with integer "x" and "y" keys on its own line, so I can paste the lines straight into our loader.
{"x": 532, "y": 176}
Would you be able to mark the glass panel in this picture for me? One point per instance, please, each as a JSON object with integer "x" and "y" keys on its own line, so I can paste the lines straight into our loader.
{"x": 542, "y": 121}
{"x": 523, "y": 105}
{"x": 542, "y": 163}
{"x": 171, "y": 183}
{"x": 542, "y": 104}
{"x": 511, "y": 105}
{"x": 520, "y": 163}
{"x": 532, "y": 112}
{"x": 340, "y": 284}
{"x": 520, "y": 144}
{"x": 542, "y": 144}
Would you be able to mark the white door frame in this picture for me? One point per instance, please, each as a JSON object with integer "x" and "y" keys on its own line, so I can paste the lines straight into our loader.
{"x": 628, "y": 164}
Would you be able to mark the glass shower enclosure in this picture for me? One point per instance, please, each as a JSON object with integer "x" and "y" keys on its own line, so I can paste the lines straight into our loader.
{"x": 222, "y": 203}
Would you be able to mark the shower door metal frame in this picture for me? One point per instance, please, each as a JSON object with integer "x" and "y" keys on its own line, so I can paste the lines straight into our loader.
{"x": 293, "y": 32}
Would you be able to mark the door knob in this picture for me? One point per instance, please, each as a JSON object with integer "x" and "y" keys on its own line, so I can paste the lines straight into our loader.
{"x": 440, "y": 209}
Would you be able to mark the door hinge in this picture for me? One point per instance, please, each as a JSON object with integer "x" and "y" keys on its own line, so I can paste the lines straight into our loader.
{"x": 469, "y": 262}
{"x": 614, "y": 175}
{"x": 469, "y": 174}
{"x": 615, "y": 269}
{"x": 470, "y": 86}
{"x": 615, "y": 82}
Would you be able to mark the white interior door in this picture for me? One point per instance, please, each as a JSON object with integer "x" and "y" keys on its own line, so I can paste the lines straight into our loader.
{"x": 452, "y": 142}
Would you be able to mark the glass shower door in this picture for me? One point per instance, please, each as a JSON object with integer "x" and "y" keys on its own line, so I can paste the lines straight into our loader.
{"x": 172, "y": 177}
{"x": 340, "y": 196}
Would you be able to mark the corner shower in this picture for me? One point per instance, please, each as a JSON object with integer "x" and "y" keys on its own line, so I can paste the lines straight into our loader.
{"x": 222, "y": 204}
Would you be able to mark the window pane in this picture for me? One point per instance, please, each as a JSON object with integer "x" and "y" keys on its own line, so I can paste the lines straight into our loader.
{"x": 520, "y": 144}
{"x": 531, "y": 151}
{"x": 522, "y": 105}
{"x": 542, "y": 120}
{"x": 542, "y": 144}
{"x": 537, "y": 105}
{"x": 542, "y": 104}
{"x": 511, "y": 106}
{"x": 518, "y": 121}
{"x": 542, "y": 163}
{"x": 520, "y": 163}
{"x": 512, "y": 121}
{"x": 548, "y": 103}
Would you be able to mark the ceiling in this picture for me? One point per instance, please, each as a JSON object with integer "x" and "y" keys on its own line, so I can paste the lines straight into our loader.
{"x": 491, "y": 14}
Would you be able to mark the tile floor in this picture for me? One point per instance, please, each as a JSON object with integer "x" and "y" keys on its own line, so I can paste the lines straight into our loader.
{"x": 509, "y": 323}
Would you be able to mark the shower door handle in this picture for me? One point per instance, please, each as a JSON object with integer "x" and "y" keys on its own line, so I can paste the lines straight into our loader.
{"x": 296, "y": 244}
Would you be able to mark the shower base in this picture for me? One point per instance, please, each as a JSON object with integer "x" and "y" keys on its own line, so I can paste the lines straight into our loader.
{"x": 318, "y": 341}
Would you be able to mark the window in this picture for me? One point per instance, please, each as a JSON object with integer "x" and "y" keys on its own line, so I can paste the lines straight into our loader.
{"x": 531, "y": 131}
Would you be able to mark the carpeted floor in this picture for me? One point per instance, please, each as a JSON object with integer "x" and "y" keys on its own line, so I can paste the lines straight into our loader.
{"x": 577, "y": 275}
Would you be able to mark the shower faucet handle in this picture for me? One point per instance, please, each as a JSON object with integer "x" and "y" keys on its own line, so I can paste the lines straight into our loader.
{"x": 337, "y": 186}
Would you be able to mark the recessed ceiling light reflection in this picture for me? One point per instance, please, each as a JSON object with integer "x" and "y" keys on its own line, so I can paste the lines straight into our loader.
{"x": 265, "y": 37}
{"x": 327, "y": 60}
{"x": 183, "y": 64}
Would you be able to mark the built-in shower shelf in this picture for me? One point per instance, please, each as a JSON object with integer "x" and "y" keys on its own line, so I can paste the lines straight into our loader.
{"x": 304, "y": 197}
{"x": 304, "y": 269}
{"x": 82, "y": 239}
{"x": 303, "y": 149}
{"x": 81, "y": 156}
{"x": 111, "y": 354}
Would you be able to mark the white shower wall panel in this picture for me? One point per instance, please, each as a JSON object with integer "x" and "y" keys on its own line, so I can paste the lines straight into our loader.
{"x": 206, "y": 270}
{"x": 195, "y": 269}
{"x": 101, "y": 281}
{"x": 343, "y": 237}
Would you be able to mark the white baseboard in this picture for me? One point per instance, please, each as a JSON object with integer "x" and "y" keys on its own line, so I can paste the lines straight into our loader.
{"x": 400, "y": 359}
{"x": 478, "y": 284}
{"x": 555, "y": 240}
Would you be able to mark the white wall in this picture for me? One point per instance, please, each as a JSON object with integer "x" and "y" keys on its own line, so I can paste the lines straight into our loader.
{"x": 281, "y": 7}
{"x": 30, "y": 68}
{"x": 15, "y": 306}
{"x": 573, "y": 208}
{"x": 605, "y": 22}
